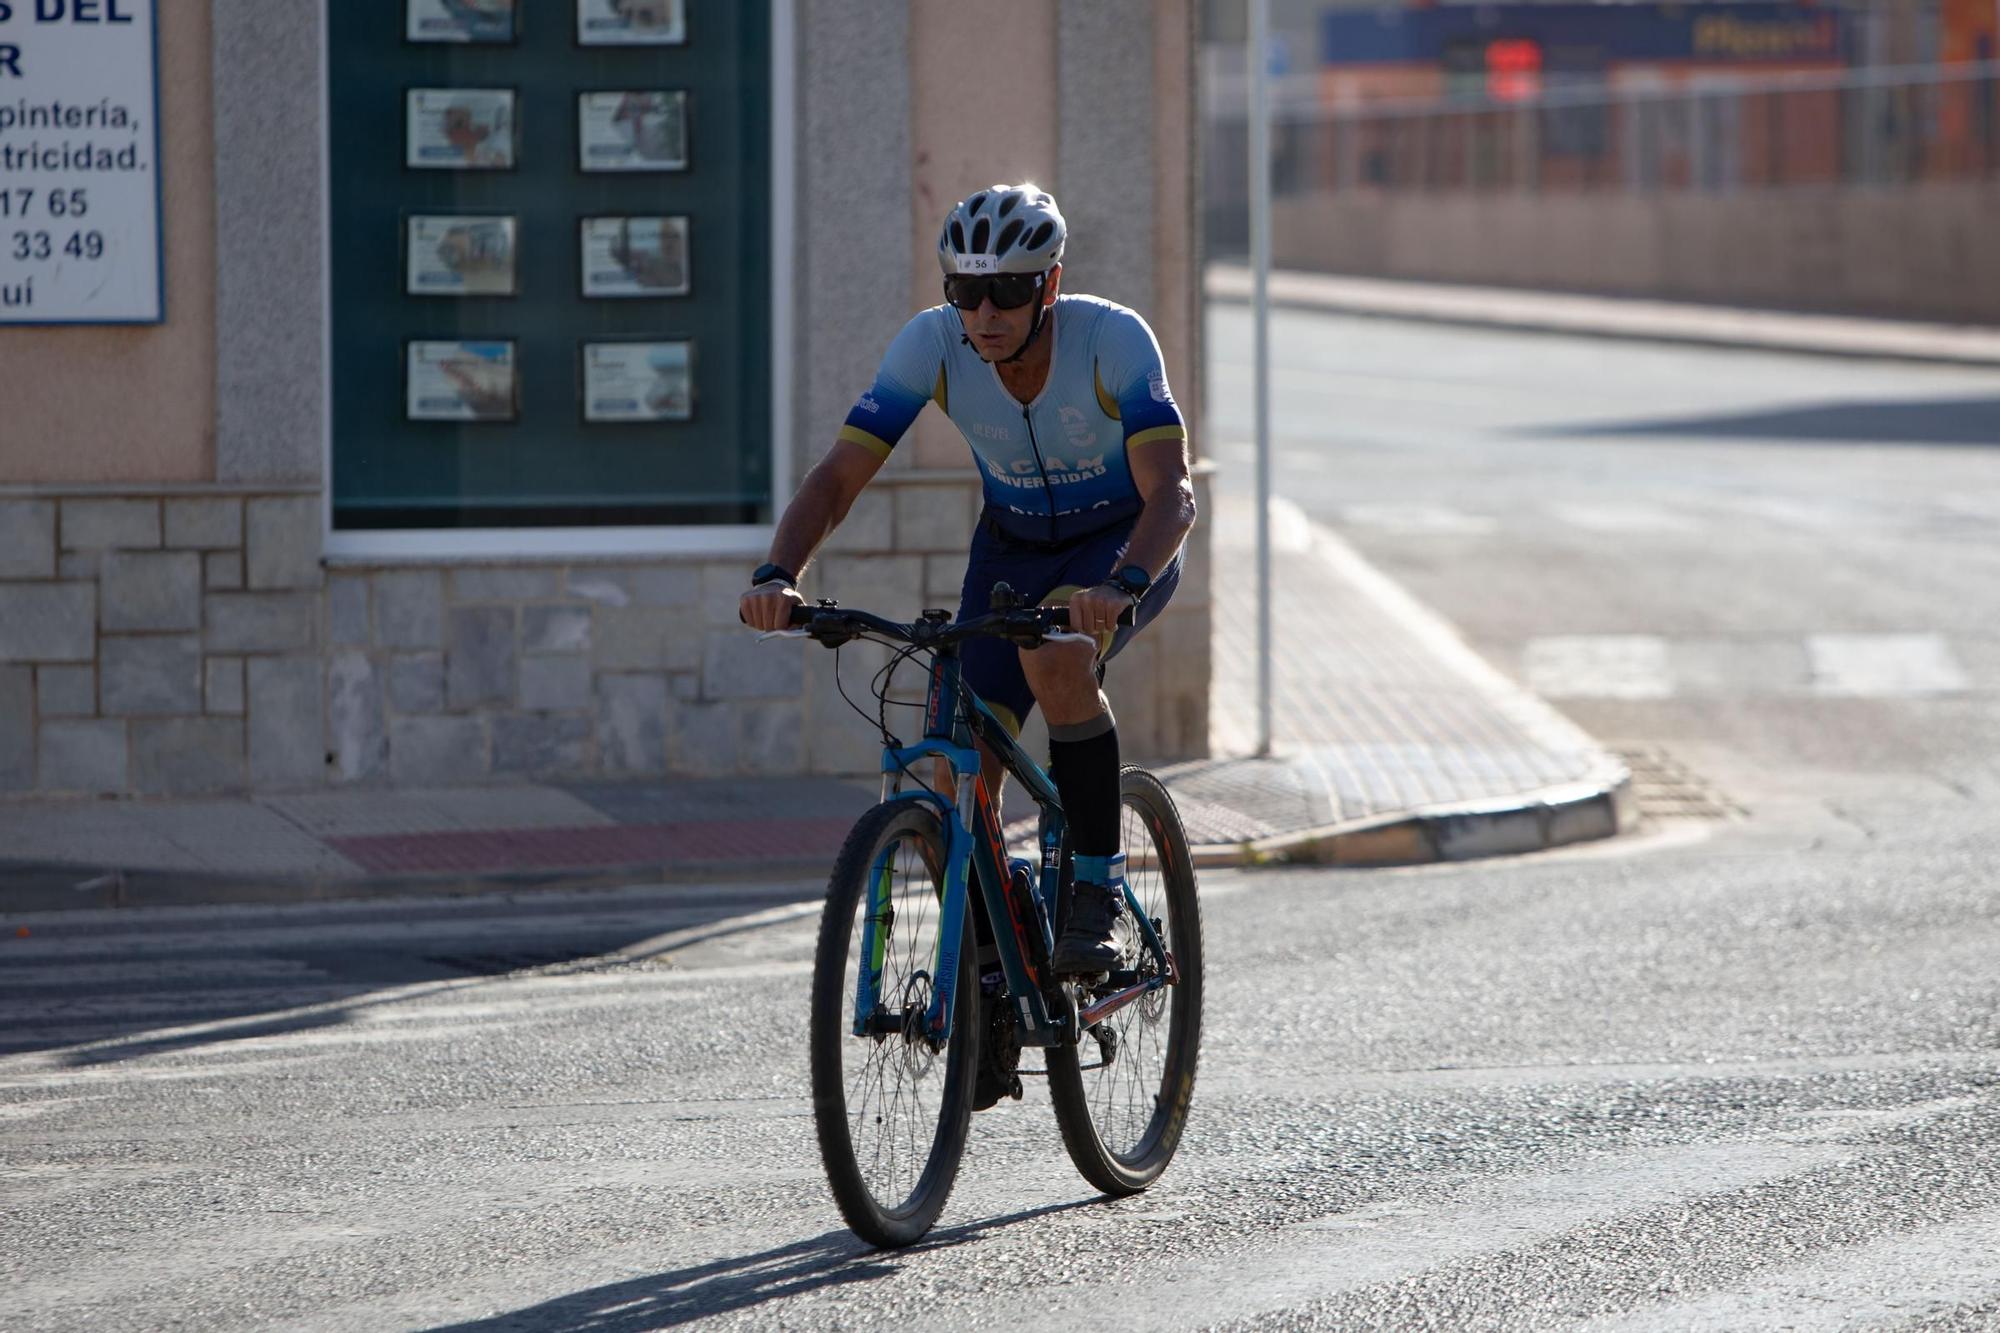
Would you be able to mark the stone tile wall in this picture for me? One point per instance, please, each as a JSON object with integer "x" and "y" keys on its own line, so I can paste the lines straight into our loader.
{"x": 175, "y": 645}
{"x": 160, "y": 644}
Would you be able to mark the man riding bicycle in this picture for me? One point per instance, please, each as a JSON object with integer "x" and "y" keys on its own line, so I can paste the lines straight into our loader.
{"x": 1064, "y": 402}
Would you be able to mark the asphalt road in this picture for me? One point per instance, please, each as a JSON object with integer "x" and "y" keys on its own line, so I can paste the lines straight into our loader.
{"x": 1729, "y": 1073}
{"x": 1785, "y": 568}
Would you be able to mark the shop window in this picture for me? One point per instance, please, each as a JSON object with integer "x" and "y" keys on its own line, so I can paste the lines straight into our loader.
{"x": 550, "y": 248}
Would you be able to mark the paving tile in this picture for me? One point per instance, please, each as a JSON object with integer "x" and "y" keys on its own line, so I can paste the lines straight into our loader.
{"x": 615, "y": 845}
{"x": 353, "y": 814}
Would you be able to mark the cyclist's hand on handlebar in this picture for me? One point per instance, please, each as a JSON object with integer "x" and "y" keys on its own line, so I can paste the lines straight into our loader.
{"x": 768, "y": 606}
{"x": 1096, "y": 610}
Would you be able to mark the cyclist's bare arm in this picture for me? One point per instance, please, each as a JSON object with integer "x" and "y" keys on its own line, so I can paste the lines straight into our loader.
{"x": 823, "y": 500}
{"x": 1166, "y": 488}
{"x": 1160, "y": 471}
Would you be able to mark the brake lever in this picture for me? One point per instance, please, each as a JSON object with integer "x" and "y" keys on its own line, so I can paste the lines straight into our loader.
{"x": 1068, "y": 636}
{"x": 784, "y": 634}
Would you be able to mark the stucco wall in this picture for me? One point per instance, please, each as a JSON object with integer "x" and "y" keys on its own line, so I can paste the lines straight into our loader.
{"x": 133, "y": 404}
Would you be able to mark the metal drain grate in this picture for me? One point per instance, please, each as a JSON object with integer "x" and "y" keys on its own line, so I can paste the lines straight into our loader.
{"x": 1665, "y": 788}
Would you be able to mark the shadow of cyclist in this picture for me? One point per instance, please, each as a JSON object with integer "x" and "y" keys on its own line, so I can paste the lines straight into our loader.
{"x": 664, "y": 1300}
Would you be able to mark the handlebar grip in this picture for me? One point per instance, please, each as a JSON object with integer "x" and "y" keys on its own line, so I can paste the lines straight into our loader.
{"x": 801, "y": 616}
{"x": 1058, "y": 616}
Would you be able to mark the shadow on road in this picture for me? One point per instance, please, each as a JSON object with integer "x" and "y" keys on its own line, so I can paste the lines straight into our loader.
{"x": 1947, "y": 421}
{"x": 160, "y": 983}
{"x": 665, "y": 1300}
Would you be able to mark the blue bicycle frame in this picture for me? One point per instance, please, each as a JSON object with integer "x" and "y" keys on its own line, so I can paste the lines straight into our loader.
{"x": 1023, "y": 932}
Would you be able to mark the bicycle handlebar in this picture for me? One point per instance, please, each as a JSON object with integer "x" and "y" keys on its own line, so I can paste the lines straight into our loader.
{"x": 1028, "y": 626}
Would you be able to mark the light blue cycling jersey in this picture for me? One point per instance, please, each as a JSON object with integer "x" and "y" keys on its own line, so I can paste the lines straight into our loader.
{"x": 1055, "y": 469}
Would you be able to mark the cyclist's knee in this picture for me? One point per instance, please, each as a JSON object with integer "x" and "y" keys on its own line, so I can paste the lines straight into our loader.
{"x": 1058, "y": 665}
{"x": 1064, "y": 680}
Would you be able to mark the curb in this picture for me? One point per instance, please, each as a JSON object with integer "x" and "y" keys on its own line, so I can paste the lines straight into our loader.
{"x": 37, "y": 887}
{"x": 1536, "y": 822}
{"x": 1632, "y": 319}
{"x": 1539, "y": 821}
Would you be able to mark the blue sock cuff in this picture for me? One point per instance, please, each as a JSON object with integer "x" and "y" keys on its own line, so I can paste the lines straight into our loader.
{"x": 1100, "y": 869}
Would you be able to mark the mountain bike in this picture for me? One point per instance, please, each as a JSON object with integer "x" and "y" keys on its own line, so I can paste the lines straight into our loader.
{"x": 907, "y": 1040}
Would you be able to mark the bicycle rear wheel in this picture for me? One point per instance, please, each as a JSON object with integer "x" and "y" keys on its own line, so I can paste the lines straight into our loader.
{"x": 1122, "y": 1092}
{"x": 892, "y": 1107}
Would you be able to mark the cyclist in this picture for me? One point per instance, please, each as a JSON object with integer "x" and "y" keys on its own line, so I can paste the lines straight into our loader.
{"x": 1064, "y": 402}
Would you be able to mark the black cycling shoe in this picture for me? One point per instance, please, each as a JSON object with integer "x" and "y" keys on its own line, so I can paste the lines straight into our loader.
{"x": 1088, "y": 943}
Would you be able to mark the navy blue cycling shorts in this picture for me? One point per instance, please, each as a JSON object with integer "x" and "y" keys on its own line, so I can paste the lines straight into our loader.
{"x": 992, "y": 667}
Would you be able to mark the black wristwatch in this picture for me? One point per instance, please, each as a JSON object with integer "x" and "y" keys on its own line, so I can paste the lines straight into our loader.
{"x": 773, "y": 574}
{"x": 1133, "y": 581}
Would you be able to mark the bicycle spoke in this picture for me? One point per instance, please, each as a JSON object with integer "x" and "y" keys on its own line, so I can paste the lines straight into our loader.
{"x": 1123, "y": 1095}
{"x": 895, "y": 1083}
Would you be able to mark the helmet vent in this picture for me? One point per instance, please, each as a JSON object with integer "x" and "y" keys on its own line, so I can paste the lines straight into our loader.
{"x": 1010, "y": 203}
{"x": 957, "y": 236}
{"x": 980, "y": 231}
{"x": 1008, "y": 234}
{"x": 1041, "y": 236}
{"x": 974, "y": 204}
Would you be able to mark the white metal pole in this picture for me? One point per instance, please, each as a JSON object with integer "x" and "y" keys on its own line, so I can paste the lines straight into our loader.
{"x": 1260, "y": 316}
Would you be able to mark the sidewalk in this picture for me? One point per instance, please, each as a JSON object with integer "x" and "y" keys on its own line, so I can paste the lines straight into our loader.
{"x": 1618, "y": 317}
{"x": 1399, "y": 745}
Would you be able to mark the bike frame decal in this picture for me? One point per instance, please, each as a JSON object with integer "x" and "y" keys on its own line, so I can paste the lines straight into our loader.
{"x": 874, "y": 939}
{"x": 1018, "y": 961}
{"x": 951, "y": 933}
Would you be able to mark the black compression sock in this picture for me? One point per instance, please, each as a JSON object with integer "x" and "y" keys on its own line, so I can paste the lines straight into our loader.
{"x": 1083, "y": 760}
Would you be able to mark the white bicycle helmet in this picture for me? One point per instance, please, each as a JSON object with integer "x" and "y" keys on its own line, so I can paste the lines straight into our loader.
{"x": 1004, "y": 229}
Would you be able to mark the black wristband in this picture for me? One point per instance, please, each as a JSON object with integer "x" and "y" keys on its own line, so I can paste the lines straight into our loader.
{"x": 773, "y": 574}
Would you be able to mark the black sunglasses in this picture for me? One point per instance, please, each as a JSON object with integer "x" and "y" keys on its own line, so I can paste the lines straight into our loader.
{"x": 1007, "y": 291}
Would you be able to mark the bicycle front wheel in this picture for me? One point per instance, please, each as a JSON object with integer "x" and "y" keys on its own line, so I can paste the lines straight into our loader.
{"x": 892, "y": 1105}
{"x": 1122, "y": 1092}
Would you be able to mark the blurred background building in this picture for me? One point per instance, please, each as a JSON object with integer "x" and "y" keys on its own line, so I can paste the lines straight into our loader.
{"x": 1816, "y": 154}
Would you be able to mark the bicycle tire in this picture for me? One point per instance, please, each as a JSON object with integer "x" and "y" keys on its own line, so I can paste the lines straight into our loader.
{"x": 869, "y": 1192}
{"x": 1121, "y": 1121}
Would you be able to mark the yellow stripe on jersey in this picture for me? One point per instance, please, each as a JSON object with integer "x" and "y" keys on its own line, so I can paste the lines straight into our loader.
{"x": 874, "y": 444}
{"x": 1158, "y": 434}
{"x": 1105, "y": 401}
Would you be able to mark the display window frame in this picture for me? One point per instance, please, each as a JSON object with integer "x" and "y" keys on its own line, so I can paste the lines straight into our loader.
{"x": 776, "y": 199}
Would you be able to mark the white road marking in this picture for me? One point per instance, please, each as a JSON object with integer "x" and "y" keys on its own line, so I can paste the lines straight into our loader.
{"x": 1598, "y": 666}
{"x": 1882, "y": 666}
{"x": 1389, "y": 1242}
{"x": 1624, "y": 519}
{"x": 1419, "y": 519}
{"x": 1892, "y": 1279}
